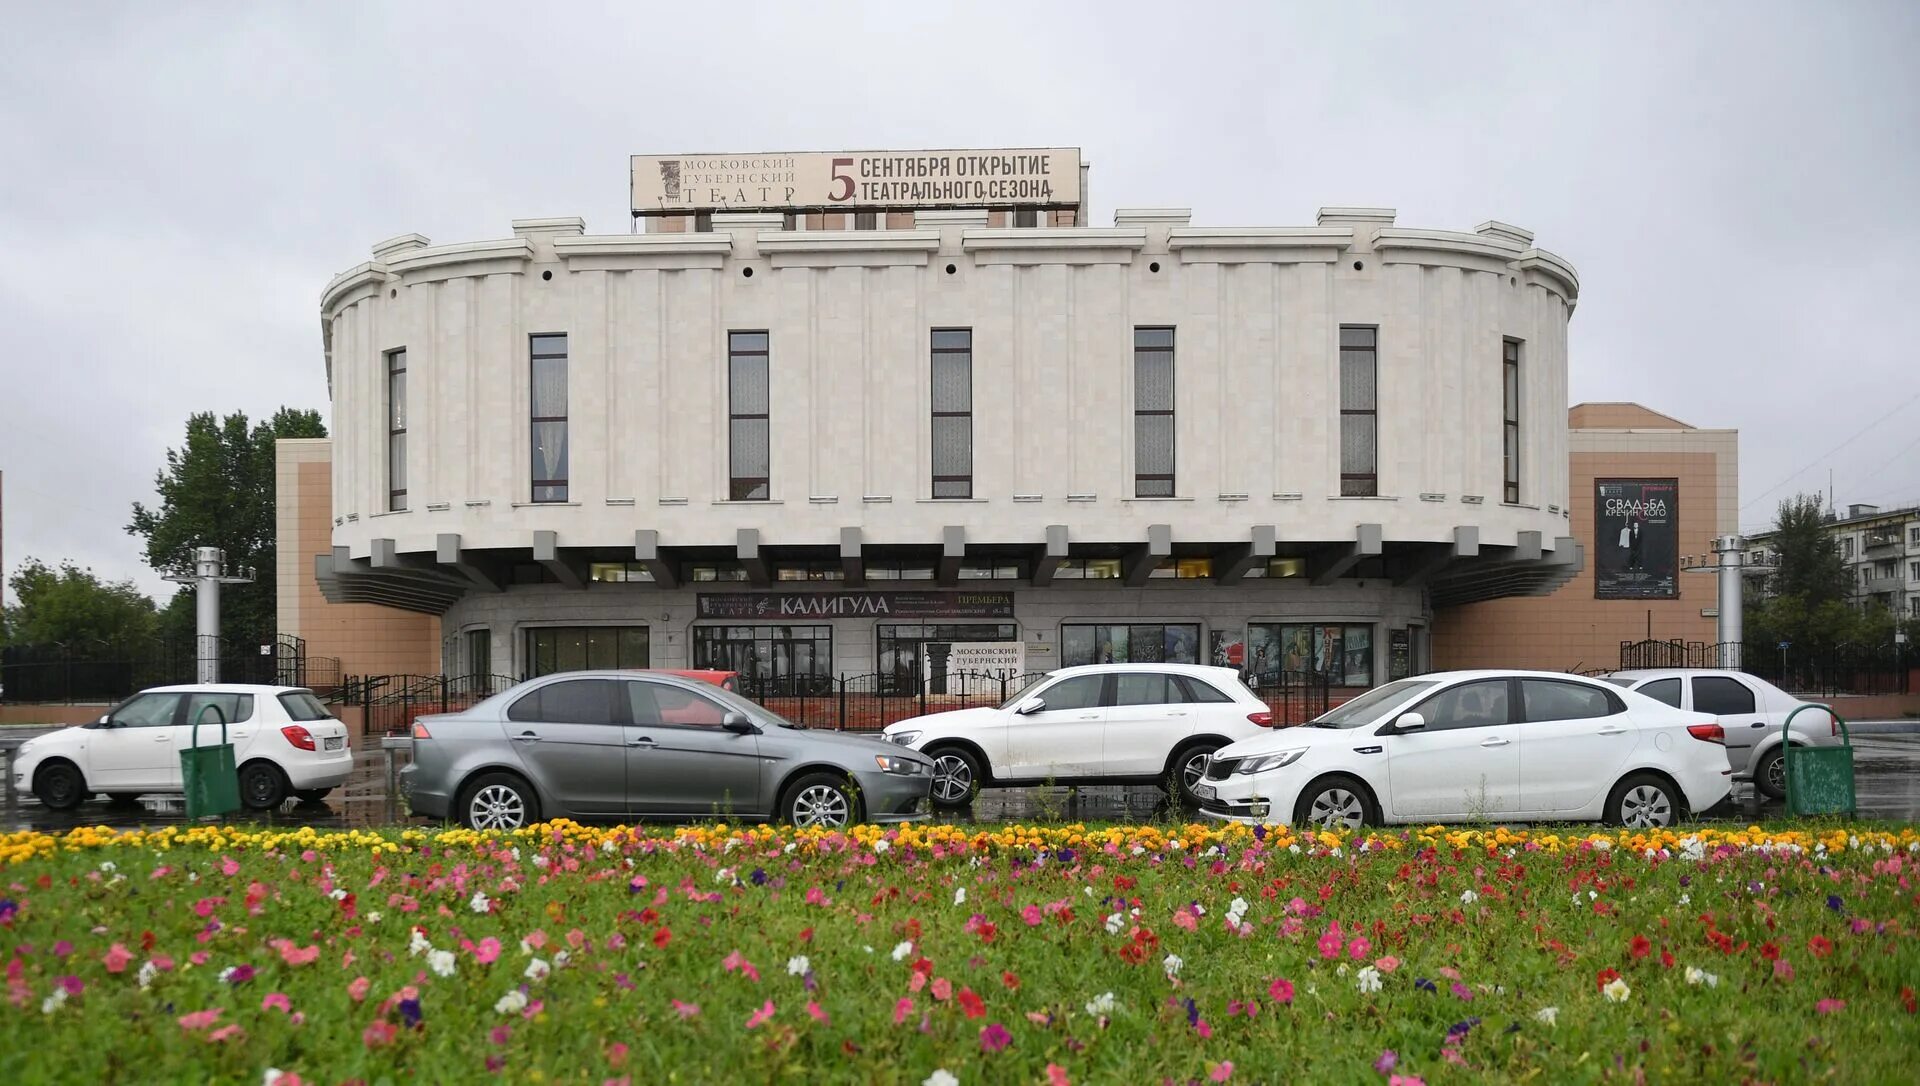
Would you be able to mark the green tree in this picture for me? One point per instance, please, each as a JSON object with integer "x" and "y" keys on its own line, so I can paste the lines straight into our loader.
{"x": 217, "y": 490}
{"x": 1809, "y": 556}
{"x": 72, "y": 606}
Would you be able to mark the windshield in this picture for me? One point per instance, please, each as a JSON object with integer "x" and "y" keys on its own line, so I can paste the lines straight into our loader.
{"x": 1371, "y": 705}
{"x": 1624, "y": 684}
{"x": 302, "y": 705}
{"x": 1024, "y": 691}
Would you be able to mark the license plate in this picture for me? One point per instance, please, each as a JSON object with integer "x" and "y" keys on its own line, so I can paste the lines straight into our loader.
{"x": 1205, "y": 791}
{"x": 335, "y": 743}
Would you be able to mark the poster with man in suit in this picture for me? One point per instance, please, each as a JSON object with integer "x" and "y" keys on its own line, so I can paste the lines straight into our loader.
{"x": 1636, "y": 539}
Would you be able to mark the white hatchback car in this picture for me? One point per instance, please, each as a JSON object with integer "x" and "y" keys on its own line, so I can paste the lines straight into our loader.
{"x": 1506, "y": 745}
{"x": 284, "y": 742}
{"x": 1752, "y": 710}
{"x": 1097, "y": 724}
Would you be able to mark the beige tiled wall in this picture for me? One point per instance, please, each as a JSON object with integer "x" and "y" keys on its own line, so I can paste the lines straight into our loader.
{"x": 368, "y": 639}
{"x": 1570, "y": 629}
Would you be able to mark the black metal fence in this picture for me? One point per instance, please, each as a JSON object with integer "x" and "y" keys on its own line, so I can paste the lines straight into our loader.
{"x": 1825, "y": 672}
{"x": 101, "y": 674}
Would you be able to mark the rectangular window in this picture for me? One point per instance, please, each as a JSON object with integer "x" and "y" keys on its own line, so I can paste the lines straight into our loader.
{"x": 811, "y": 571}
{"x": 898, "y": 571}
{"x": 618, "y": 572}
{"x": 1153, "y": 412}
{"x": 953, "y": 413}
{"x": 1510, "y": 432}
{"x": 1913, "y": 571}
{"x": 479, "y": 651}
{"x": 548, "y": 408}
{"x": 778, "y": 660}
{"x": 397, "y": 429}
{"x": 1359, "y": 418}
{"x": 1156, "y": 643}
{"x": 1846, "y": 547}
{"x": 703, "y": 223}
{"x": 748, "y": 437}
{"x": 864, "y": 220}
{"x": 900, "y": 652}
{"x": 1343, "y": 652}
{"x": 1026, "y": 216}
{"x": 581, "y": 648}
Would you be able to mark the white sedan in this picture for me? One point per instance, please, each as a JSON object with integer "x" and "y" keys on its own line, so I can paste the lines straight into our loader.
{"x": 285, "y": 742}
{"x": 1097, "y": 724}
{"x": 1480, "y": 745}
{"x": 1752, "y": 710}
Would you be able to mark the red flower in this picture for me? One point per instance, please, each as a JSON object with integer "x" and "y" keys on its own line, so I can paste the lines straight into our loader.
{"x": 1907, "y": 1001}
{"x": 1820, "y": 945}
{"x": 662, "y": 937}
{"x": 1770, "y": 951}
{"x": 1666, "y": 957}
{"x": 1012, "y": 982}
{"x": 973, "y": 1005}
{"x": 1606, "y": 977}
{"x": 1639, "y": 947}
{"x": 806, "y": 935}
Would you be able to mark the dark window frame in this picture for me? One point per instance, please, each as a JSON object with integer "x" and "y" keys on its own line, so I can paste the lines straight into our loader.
{"x": 740, "y": 488}
{"x": 1752, "y": 696}
{"x": 1510, "y": 416}
{"x": 535, "y": 664}
{"x": 866, "y": 220}
{"x": 397, "y": 413}
{"x": 1130, "y": 626}
{"x": 950, "y": 485}
{"x": 720, "y": 646}
{"x": 1360, "y": 484}
{"x": 1156, "y": 484}
{"x": 553, "y": 490}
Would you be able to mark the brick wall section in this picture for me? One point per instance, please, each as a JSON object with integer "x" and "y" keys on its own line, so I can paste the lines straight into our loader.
{"x": 367, "y": 638}
{"x": 1570, "y": 629}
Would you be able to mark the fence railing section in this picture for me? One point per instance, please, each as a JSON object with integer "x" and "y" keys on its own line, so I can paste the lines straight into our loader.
{"x": 1825, "y": 672}
{"x": 105, "y": 673}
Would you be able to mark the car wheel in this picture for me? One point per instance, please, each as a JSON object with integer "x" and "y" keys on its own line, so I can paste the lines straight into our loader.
{"x": 1770, "y": 777}
{"x": 312, "y": 795}
{"x": 60, "y": 786}
{"x": 262, "y": 786}
{"x": 1335, "y": 803}
{"x": 1643, "y": 801}
{"x": 956, "y": 774}
{"x": 1185, "y": 769}
{"x": 499, "y": 801}
{"x": 821, "y": 799}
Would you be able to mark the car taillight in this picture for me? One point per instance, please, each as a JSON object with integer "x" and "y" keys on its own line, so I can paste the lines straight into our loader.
{"x": 420, "y": 731}
{"x": 300, "y": 737}
{"x": 1708, "y": 733}
{"x": 1264, "y": 720}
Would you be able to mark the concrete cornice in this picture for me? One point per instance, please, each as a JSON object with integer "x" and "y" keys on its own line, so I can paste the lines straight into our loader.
{"x": 1446, "y": 241}
{"x": 359, "y": 279}
{"x": 503, "y": 250}
{"x": 1548, "y": 264}
{"x": 1281, "y": 244}
{"x": 642, "y": 245}
{"x": 1061, "y": 244}
{"x": 848, "y": 241}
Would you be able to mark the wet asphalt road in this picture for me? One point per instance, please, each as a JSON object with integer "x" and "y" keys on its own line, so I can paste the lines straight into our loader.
{"x": 1886, "y": 767}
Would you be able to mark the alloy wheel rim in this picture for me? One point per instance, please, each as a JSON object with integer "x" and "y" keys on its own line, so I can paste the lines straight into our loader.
{"x": 497, "y": 807}
{"x": 952, "y": 777}
{"x": 1777, "y": 772}
{"x": 1335, "y": 808}
{"x": 1646, "y": 805}
{"x": 1195, "y": 768}
{"x": 820, "y": 805}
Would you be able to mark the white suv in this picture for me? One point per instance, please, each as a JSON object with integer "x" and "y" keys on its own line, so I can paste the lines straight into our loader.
{"x": 1752, "y": 710}
{"x": 284, "y": 742}
{"x": 1100, "y": 724}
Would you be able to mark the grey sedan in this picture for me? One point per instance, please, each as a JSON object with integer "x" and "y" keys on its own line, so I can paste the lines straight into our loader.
{"x": 599, "y": 745}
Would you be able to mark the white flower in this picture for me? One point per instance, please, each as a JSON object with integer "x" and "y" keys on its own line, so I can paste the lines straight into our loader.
{"x": 418, "y": 945}
{"x": 1546, "y": 1015}
{"x": 1199, "y": 909}
{"x": 901, "y": 950}
{"x": 373, "y": 917}
{"x": 1238, "y": 905}
{"x": 605, "y": 846}
{"x": 109, "y": 866}
{"x": 1468, "y": 897}
{"x": 1088, "y": 890}
{"x": 1617, "y": 991}
{"x": 1295, "y": 849}
{"x": 940, "y": 1077}
{"x": 537, "y": 969}
{"x": 960, "y": 896}
{"x": 272, "y": 1076}
{"x": 52, "y": 1002}
{"x": 1172, "y": 965}
{"x": 337, "y": 894}
{"x": 1696, "y": 975}
{"x": 868, "y": 949}
{"x": 1340, "y": 970}
{"x": 561, "y": 959}
{"x": 540, "y": 861}
{"x": 441, "y": 962}
{"x": 479, "y": 902}
{"x": 1101, "y": 1004}
{"x": 515, "y": 853}
{"x": 512, "y": 1003}
{"x": 1368, "y": 979}
{"x": 1601, "y": 844}
{"x": 881, "y": 847}
{"x": 1593, "y": 895}
{"x": 227, "y": 973}
{"x": 148, "y": 971}
{"x": 1115, "y": 923}
{"x": 1684, "y": 898}
{"x": 798, "y": 966}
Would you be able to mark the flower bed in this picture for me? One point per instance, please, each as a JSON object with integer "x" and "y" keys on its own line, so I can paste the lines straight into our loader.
{"x": 945, "y": 954}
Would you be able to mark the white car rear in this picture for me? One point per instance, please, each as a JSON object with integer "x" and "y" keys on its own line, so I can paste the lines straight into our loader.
{"x": 1477, "y": 745}
{"x": 285, "y": 743}
{"x": 1098, "y": 724}
{"x": 1752, "y": 710}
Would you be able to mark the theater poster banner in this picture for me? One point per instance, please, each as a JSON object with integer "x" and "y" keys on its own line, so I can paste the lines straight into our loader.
{"x": 789, "y": 606}
{"x": 1636, "y": 539}
{"x": 792, "y": 181}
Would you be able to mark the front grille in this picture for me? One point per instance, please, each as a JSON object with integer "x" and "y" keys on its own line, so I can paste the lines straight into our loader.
{"x": 1219, "y": 769}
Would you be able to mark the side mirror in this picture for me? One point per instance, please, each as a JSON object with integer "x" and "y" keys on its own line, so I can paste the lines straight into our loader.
{"x": 738, "y": 724}
{"x": 105, "y": 721}
{"x": 1031, "y": 705}
{"x": 1410, "y": 722}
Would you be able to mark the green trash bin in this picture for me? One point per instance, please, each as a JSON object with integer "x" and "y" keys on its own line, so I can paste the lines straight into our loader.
{"x": 1819, "y": 779}
{"x": 212, "y": 785}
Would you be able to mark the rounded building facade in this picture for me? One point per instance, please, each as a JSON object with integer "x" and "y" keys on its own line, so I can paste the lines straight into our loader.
{"x": 813, "y": 454}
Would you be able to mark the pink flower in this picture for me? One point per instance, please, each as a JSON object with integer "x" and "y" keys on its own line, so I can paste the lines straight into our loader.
{"x": 818, "y": 1013}
{"x": 276, "y": 1001}
{"x": 1357, "y": 950}
{"x": 537, "y": 940}
{"x": 229, "y": 866}
{"x": 487, "y": 950}
{"x": 1222, "y": 1071}
{"x": 616, "y": 1054}
{"x": 1331, "y": 942}
{"x": 199, "y": 1020}
{"x": 1828, "y": 1006}
{"x": 226, "y": 1033}
{"x": 1032, "y": 915}
{"x": 117, "y": 958}
{"x": 1057, "y": 1075}
{"x": 1783, "y": 969}
{"x": 294, "y": 955}
{"x": 1183, "y": 917}
{"x": 942, "y": 989}
{"x": 686, "y": 1010}
{"x": 1406, "y": 1080}
{"x": 1386, "y": 964}
{"x": 358, "y": 987}
{"x": 994, "y": 1038}
{"x": 378, "y": 1034}
{"x": 759, "y": 1018}
{"x": 1462, "y": 991}
{"x": 1280, "y": 991}
{"x": 1389, "y": 1059}
{"x": 735, "y": 961}
{"x": 902, "y": 1009}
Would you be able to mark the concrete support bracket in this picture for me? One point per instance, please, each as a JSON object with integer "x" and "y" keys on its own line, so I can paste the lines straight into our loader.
{"x": 1050, "y": 555}
{"x": 852, "y": 566}
{"x": 646, "y": 551}
{"x": 1330, "y": 564}
{"x": 546, "y": 551}
{"x": 447, "y": 552}
{"x": 1233, "y": 563}
{"x": 747, "y": 546}
{"x": 953, "y": 547}
{"x": 1141, "y": 561}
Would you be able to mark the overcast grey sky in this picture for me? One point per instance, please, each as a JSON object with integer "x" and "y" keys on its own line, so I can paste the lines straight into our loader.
{"x": 1736, "y": 183}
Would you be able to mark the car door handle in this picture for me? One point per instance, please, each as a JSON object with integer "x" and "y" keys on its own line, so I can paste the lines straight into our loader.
{"x": 643, "y": 741}
{"x": 1759, "y": 723}
{"x": 1613, "y": 731}
{"x": 526, "y": 737}
{"x": 1494, "y": 742}
{"x": 1178, "y": 712}
{"x": 163, "y": 738}
{"x": 1091, "y": 716}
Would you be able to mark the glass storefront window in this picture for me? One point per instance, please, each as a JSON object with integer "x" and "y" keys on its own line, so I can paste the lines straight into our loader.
{"x": 1171, "y": 643}
{"x": 1184, "y": 568}
{"x": 582, "y": 648}
{"x": 899, "y": 646}
{"x": 771, "y": 660}
{"x": 1088, "y": 569}
{"x": 1342, "y": 651}
{"x": 618, "y": 572}
{"x": 1280, "y": 567}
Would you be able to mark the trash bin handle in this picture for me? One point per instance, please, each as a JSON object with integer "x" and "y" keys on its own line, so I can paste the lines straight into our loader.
{"x": 204, "y": 710}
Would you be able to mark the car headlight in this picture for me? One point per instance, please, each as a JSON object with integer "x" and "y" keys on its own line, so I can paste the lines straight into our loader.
{"x": 1270, "y": 761}
{"x": 905, "y": 739}
{"x": 900, "y": 766}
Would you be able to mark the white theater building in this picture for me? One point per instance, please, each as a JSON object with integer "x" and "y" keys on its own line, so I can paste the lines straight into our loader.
{"x": 803, "y": 441}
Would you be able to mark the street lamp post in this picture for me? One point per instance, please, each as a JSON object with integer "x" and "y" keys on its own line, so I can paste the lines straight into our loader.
{"x": 1729, "y": 562}
{"x": 209, "y": 573}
